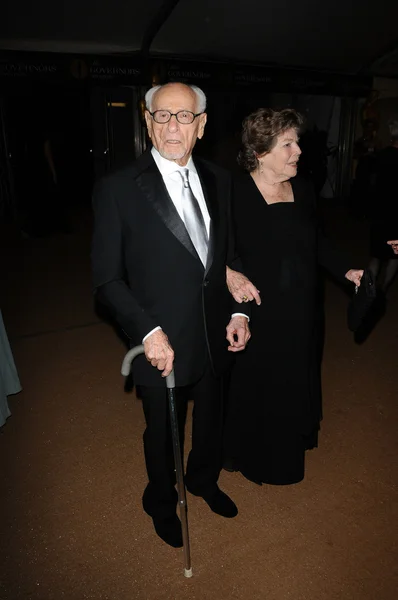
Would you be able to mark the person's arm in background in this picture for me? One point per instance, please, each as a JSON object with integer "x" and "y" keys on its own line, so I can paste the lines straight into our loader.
{"x": 335, "y": 262}
{"x": 330, "y": 257}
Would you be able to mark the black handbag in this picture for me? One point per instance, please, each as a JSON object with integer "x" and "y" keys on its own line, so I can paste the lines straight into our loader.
{"x": 361, "y": 302}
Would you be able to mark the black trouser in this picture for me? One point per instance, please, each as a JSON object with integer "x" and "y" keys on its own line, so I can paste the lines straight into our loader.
{"x": 204, "y": 461}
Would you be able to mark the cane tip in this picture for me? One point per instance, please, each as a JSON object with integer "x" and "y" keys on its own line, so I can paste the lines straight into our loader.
{"x": 188, "y": 572}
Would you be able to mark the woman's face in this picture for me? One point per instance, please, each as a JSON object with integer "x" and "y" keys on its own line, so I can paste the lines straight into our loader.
{"x": 281, "y": 162}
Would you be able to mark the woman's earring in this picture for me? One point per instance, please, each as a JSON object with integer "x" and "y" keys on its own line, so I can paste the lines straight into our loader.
{"x": 260, "y": 166}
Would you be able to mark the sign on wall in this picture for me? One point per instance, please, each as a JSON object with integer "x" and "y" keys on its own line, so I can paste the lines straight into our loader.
{"x": 121, "y": 70}
{"x": 66, "y": 68}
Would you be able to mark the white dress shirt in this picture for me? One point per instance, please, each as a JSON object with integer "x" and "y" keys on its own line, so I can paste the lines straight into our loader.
{"x": 173, "y": 182}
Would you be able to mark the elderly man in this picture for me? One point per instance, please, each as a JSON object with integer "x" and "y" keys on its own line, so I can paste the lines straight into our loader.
{"x": 160, "y": 248}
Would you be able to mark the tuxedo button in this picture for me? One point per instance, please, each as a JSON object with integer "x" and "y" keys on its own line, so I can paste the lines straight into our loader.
{"x": 206, "y": 282}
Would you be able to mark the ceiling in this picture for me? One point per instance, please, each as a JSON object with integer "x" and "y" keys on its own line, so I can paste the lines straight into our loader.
{"x": 356, "y": 36}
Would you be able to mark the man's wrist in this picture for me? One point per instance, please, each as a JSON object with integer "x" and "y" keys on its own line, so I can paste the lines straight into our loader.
{"x": 240, "y": 315}
{"x": 150, "y": 333}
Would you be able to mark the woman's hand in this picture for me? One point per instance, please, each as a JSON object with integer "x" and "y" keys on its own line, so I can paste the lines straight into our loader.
{"x": 394, "y": 245}
{"x": 241, "y": 288}
{"x": 354, "y": 275}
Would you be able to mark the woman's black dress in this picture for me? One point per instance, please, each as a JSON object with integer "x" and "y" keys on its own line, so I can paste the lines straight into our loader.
{"x": 274, "y": 407}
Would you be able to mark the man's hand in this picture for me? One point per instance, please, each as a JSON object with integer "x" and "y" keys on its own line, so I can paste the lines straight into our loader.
{"x": 238, "y": 327}
{"x": 394, "y": 245}
{"x": 354, "y": 275}
{"x": 159, "y": 352}
{"x": 241, "y": 288}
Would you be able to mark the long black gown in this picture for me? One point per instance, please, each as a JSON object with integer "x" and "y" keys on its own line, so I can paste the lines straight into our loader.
{"x": 274, "y": 408}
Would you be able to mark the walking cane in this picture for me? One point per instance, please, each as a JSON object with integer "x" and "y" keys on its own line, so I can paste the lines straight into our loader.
{"x": 182, "y": 498}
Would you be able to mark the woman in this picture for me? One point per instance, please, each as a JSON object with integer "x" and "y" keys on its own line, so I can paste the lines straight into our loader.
{"x": 275, "y": 402}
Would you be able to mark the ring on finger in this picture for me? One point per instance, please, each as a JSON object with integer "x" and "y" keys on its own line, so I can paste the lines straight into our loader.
{"x": 245, "y": 298}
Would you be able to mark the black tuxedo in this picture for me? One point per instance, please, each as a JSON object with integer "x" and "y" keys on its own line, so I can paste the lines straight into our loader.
{"x": 148, "y": 273}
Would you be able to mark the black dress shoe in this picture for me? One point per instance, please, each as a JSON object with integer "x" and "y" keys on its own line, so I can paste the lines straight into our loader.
{"x": 221, "y": 504}
{"x": 230, "y": 465}
{"x": 169, "y": 530}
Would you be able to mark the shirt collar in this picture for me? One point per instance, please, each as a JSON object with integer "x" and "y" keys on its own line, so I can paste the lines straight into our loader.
{"x": 167, "y": 167}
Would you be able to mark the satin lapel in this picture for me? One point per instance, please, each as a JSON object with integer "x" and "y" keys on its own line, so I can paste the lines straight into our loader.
{"x": 209, "y": 187}
{"x": 151, "y": 184}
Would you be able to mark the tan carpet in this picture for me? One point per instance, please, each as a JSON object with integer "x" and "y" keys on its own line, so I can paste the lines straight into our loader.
{"x": 72, "y": 470}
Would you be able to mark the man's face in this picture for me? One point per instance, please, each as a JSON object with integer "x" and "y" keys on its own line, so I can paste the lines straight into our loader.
{"x": 173, "y": 140}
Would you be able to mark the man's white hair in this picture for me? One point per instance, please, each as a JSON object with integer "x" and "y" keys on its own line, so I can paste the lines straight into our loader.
{"x": 200, "y": 97}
